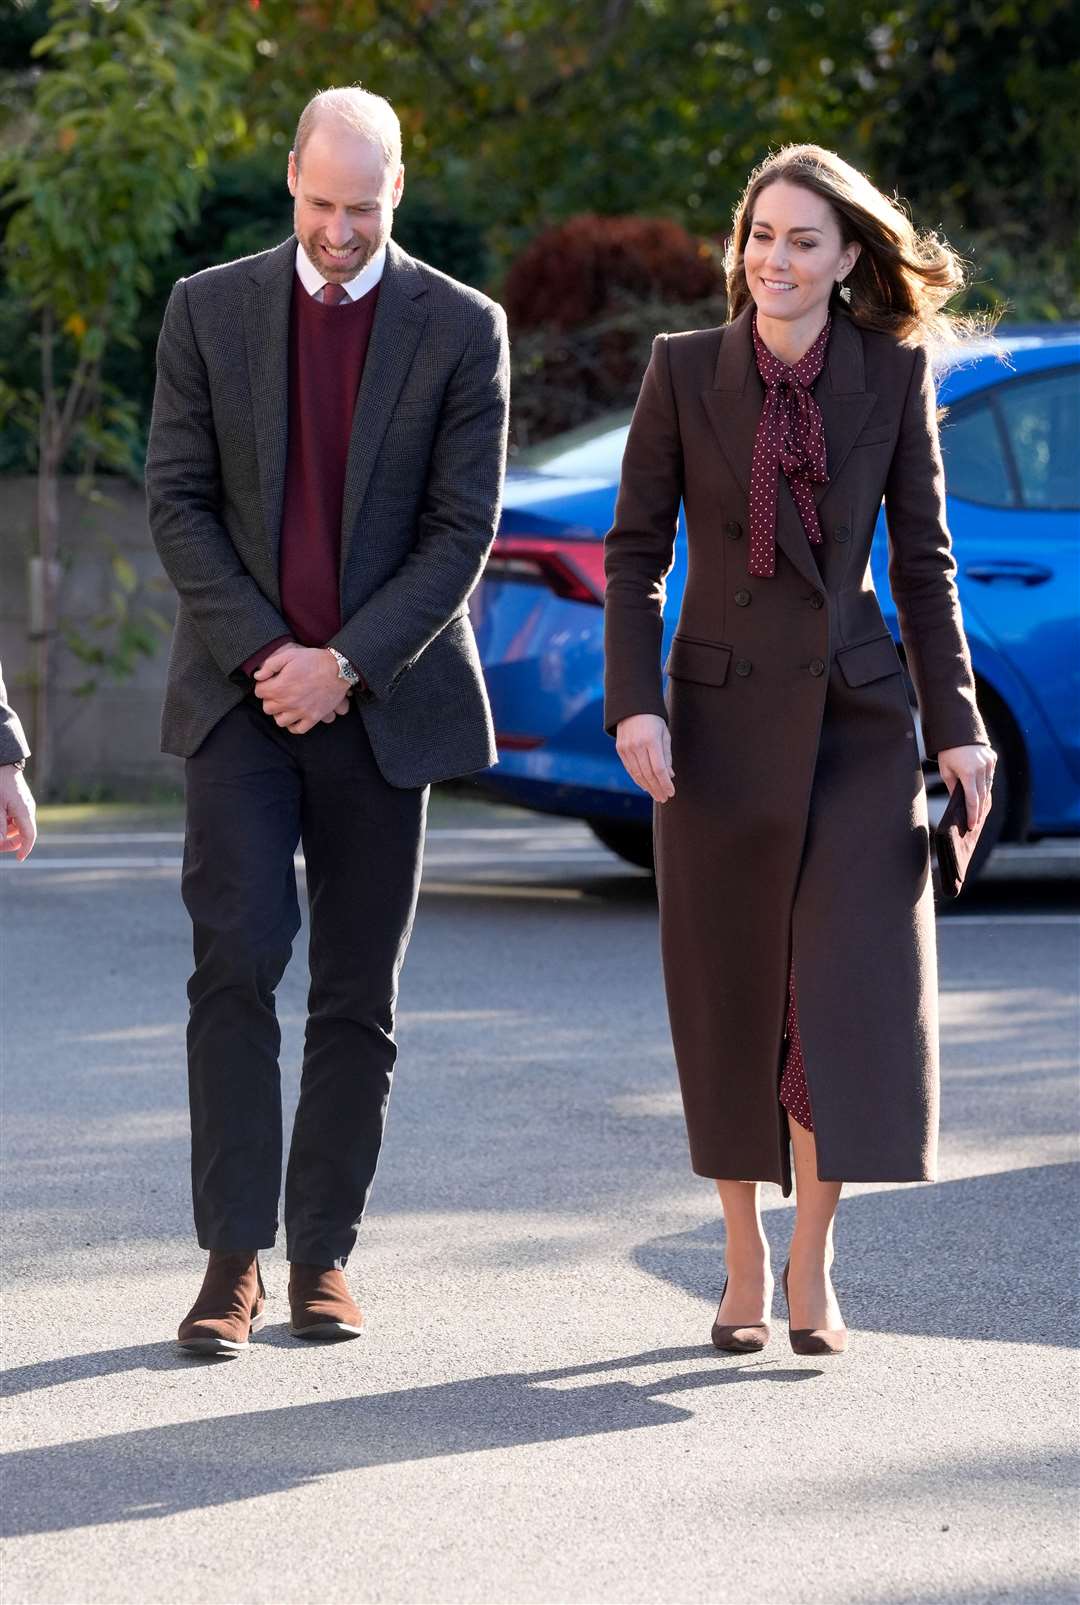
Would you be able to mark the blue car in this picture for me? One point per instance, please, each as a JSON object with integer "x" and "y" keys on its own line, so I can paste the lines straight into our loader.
{"x": 1011, "y": 445}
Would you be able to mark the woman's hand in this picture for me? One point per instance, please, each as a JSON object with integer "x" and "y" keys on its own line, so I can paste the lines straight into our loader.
{"x": 18, "y": 813}
{"x": 643, "y": 742}
{"x": 972, "y": 768}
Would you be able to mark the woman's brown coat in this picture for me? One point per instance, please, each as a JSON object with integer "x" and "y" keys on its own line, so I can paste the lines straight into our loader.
{"x": 798, "y": 825}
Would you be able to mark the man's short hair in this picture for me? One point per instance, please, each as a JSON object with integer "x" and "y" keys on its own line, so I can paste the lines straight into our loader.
{"x": 368, "y": 114}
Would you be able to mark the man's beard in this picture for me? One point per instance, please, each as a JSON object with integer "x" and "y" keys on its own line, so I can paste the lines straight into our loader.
{"x": 365, "y": 250}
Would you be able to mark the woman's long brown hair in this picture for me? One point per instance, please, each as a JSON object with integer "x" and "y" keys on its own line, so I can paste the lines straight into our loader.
{"x": 902, "y": 280}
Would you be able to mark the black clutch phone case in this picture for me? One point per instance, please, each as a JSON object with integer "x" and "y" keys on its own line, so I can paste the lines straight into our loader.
{"x": 954, "y": 844}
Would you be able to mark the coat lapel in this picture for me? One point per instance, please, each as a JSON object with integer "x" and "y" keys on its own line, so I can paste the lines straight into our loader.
{"x": 395, "y": 334}
{"x": 266, "y": 331}
{"x": 844, "y": 400}
{"x": 735, "y": 401}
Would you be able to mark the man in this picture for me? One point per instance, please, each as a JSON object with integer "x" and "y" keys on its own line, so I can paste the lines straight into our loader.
{"x": 18, "y": 811}
{"x": 324, "y": 473}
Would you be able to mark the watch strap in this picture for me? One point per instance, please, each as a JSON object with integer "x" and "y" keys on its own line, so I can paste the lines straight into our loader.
{"x": 346, "y": 671}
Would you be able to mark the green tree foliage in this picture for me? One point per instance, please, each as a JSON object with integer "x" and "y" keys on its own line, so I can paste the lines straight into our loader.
{"x": 519, "y": 114}
{"x": 585, "y": 300}
{"x": 615, "y": 106}
{"x": 977, "y": 118}
{"x": 111, "y": 155}
{"x": 966, "y": 108}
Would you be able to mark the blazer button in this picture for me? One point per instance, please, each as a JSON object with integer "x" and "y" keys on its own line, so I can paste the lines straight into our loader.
{"x": 743, "y": 667}
{"x": 817, "y": 600}
{"x": 817, "y": 668}
{"x": 742, "y": 598}
{"x": 842, "y": 533}
{"x": 732, "y": 529}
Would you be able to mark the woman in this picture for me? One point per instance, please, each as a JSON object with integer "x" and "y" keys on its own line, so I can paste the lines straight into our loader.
{"x": 796, "y": 912}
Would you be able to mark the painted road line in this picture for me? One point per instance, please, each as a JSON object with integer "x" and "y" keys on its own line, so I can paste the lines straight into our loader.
{"x": 130, "y": 838}
{"x": 102, "y": 861}
{"x": 944, "y": 921}
{"x": 106, "y": 861}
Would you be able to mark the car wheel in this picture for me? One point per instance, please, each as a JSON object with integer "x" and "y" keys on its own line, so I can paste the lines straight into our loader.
{"x": 631, "y": 841}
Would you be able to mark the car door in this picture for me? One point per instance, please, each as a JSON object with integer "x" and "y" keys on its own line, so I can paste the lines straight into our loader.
{"x": 1012, "y": 468}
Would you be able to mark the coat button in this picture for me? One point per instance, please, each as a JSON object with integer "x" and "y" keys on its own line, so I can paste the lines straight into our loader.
{"x": 842, "y": 533}
{"x": 742, "y": 598}
{"x": 743, "y": 667}
{"x": 817, "y": 668}
{"x": 732, "y": 529}
{"x": 817, "y": 600}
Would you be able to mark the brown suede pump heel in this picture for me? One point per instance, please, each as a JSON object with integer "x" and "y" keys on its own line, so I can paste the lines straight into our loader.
{"x": 813, "y": 1339}
{"x": 746, "y": 1339}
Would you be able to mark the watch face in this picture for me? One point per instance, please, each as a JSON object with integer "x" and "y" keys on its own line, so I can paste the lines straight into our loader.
{"x": 345, "y": 669}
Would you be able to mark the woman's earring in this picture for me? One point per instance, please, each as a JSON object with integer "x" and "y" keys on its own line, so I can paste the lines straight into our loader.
{"x": 845, "y": 290}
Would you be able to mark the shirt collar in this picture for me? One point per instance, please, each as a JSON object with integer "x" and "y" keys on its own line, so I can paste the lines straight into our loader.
{"x": 365, "y": 280}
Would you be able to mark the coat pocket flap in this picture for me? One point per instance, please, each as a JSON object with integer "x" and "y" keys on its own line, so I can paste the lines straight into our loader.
{"x": 703, "y": 661}
{"x": 870, "y": 660}
{"x": 877, "y": 435}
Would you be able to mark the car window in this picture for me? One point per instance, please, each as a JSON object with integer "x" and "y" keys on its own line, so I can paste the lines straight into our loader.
{"x": 595, "y": 451}
{"x": 975, "y": 465}
{"x": 1042, "y": 417}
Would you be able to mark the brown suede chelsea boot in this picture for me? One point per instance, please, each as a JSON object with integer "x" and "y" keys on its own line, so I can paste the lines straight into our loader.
{"x": 321, "y": 1305}
{"x": 230, "y": 1306}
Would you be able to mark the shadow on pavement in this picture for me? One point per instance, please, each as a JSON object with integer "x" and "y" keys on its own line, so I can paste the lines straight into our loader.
{"x": 1057, "y": 1590}
{"x": 132, "y": 1476}
{"x": 989, "y": 1257}
{"x": 1014, "y": 889}
{"x": 1016, "y": 895}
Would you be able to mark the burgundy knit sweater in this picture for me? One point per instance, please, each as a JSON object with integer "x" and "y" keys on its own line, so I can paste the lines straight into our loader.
{"x": 327, "y": 349}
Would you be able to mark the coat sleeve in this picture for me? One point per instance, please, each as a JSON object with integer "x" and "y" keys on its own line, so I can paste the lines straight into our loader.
{"x": 457, "y": 524}
{"x": 922, "y": 574}
{"x": 183, "y": 484}
{"x": 640, "y": 549}
{"x": 13, "y": 742}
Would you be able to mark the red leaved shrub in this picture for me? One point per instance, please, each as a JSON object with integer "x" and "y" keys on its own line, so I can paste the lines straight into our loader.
{"x": 584, "y": 301}
{"x": 579, "y": 270}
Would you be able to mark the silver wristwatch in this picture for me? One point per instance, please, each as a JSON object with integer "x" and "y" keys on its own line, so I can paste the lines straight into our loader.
{"x": 345, "y": 669}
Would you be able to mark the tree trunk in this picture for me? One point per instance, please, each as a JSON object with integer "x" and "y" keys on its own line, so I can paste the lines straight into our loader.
{"x": 44, "y": 581}
{"x": 44, "y": 568}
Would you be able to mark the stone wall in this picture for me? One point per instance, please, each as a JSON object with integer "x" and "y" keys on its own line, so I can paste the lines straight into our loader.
{"x": 106, "y": 744}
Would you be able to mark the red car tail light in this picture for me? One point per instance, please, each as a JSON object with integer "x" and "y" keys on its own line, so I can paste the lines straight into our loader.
{"x": 572, "y": 569}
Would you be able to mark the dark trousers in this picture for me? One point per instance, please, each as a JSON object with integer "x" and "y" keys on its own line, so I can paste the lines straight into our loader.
{"x": 253, "y": 793}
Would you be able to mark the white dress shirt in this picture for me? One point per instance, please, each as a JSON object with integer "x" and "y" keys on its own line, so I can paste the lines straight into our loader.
{"x": 365, "y": 280}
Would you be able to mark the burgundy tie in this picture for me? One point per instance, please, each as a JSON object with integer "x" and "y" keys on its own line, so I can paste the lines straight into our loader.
{"x": 334, "y": 294}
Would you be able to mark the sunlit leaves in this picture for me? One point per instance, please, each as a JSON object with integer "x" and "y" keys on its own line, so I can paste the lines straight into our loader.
{"x": 113, "y": 157}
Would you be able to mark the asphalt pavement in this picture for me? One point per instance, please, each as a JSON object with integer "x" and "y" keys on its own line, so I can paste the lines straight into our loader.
{"x": 535, "y": 1412}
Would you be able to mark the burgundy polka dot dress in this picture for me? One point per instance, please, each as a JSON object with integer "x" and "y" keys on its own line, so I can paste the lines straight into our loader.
{"x": 790, "y": 439}
{"x": 794, "y": 1092}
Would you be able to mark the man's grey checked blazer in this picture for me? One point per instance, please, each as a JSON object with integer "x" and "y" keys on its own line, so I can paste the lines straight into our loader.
{"x": 13, "y": 743}
{"x": 422, "y": 489}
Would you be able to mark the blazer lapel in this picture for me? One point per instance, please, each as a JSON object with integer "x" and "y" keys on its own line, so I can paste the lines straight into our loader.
{"x": 844, "y": 400}
{"x": 266, "y": 331}
{"x": 395, "y": 334}
{"x": 735, "y": 401}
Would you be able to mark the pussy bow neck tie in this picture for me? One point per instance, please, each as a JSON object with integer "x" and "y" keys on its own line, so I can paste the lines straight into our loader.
{"x": 790, "y": 436}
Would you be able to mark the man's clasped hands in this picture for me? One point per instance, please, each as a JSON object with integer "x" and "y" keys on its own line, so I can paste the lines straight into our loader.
{"x": 299, "y": 687}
